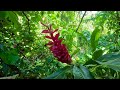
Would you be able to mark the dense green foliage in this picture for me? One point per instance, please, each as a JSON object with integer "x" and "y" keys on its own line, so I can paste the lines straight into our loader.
{"x": 94, "y": 46}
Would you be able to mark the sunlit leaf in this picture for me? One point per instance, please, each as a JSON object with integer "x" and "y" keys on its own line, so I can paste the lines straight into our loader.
{"x": 13, "y": 17}
{"x": 94, "y": 38}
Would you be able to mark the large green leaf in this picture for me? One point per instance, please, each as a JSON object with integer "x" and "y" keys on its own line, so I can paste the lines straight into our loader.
{"x": 12, "y": 59}
{"x": 14, "y": 18}
{"x": 9, "y": 57}
{"x": 108, "y": 57}
{"x": 94, "y": 38}
{"x": 3, "y": 15}
{"x": 97, "y": 54}
{"x": 110, "y": 60}
{"x": 90, "y": 61}
{"x": 77, "y": 73}
{"x": 58, "y": 74}
{"x": 81, "y": 72}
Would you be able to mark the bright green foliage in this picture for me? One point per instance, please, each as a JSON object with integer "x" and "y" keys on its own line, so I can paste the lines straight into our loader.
{"x": 94, "y": 48}
{"x": 94, "y": 38}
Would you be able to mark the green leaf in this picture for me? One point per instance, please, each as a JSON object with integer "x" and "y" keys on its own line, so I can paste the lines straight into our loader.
{"x": 9, "y": 57}
{"x": 3, "y": 15}
{"x": 86, "y": 72}
{"x": 13, "y": 17}
{"x": 49, "y": 59}
{"x": 76, "y": 51}
{"x": 77, "y": 73}
{"x": 94, "y": 38}
{"x": 12, "y": 59}
{"x": 81, "y": 35}
{"x": 5, "y": 69}
{"x": 108, "y": 57}
{"x": 1, "y": 47}
{"x": 90, "y": 62}
{"x": 42, "y": 13}
{"x": 110, "y": 60}
{"x": 58, "y": 74}
{"x": 97, "y": 54}
{"x": 81, "y": 73}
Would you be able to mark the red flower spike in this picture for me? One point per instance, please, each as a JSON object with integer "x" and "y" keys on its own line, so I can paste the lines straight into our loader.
{"x": 55, "y": 30}
{"x": 45, "y": 31}
{"x": 56, "y": 36}
{"x": 50, "y": 43}
{"x": 48, "y": 37}
{"x": 58, "y": 49}
{"x": 44, "y": 25}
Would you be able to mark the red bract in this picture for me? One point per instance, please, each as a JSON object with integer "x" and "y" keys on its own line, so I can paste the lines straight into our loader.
{"x": 58, "y": 49}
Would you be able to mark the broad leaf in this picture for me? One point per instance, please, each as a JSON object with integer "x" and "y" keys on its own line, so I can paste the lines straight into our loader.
{"x": 81, "y": 73}
{"x": 77, "y": 73}
{"x": 90, "y": 61}
{"x": 109, "y": 56}
{"x": 94, "y": 38}
{"x": 86, "y": 72}
{"x": 14, "y": 18}
{"x": 3, "y": 15}
{"x": 9, "y": 57}
{"x": 110, "y": 60}
{"x": 58, "y": 74}
{"x": 97, "y": 54}
{"x": 12, "y": 59}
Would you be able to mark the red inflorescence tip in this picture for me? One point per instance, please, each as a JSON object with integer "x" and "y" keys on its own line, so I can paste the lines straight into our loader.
{"x": 58, "y": 49}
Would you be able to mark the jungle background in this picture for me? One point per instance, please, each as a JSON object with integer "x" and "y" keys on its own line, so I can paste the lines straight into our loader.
{"x": 91, "y": 37}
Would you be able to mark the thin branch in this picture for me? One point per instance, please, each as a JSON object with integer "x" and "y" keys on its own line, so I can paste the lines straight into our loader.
{"x": 27, "y": 20}
{"x": 45, "y": 25}
{"x": 81, "y": 21}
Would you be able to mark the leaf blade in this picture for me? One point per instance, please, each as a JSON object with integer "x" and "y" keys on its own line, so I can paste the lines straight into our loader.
{"x": 111, "y": 60}
{"x": 81, "y": 73}
{"x": 94, "y": 38}
{"x": 56, "y": 74}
